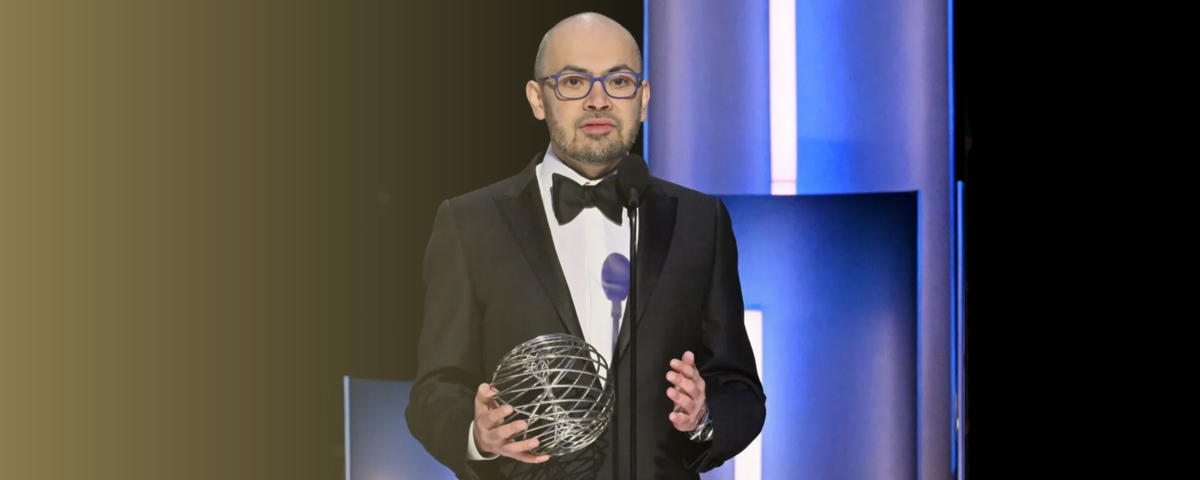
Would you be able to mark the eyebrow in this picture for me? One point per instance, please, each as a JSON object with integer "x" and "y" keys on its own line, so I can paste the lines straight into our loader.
{"x": 574, "y": 68}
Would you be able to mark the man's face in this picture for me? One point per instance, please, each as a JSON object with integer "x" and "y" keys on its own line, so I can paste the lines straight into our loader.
{"x": 596, "y": 129}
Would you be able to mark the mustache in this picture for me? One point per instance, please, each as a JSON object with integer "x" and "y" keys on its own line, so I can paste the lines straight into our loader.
{"x": 616, "y": 121}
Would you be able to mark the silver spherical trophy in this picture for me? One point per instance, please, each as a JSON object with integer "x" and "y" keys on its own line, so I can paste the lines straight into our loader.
{"x": 559, "y": 384}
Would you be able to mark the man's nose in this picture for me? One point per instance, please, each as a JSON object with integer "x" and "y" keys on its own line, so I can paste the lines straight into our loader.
{"x": 597, "y": 99}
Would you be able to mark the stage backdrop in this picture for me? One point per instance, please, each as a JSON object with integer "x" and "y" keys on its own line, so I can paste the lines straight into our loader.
{"x": 761, "y": 97}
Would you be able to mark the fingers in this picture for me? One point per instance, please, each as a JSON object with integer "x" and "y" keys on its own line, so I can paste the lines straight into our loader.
{"x": 682, "y": 422}
{"x": 529, "y": 457}
{"x": 506, "y": 431}
{"x": 490, "y": 419}
{"x": 501, "y": 438}
{"x": 687, "y": 392}
{"x": 678, "y": 398}
{"x": 686, "y": 378}
{"x": 683, "y": 403}
{"x": 480, "y": 400}
{"x": 495, "y": 417}
{"x": 494, "y": 435}
{"x": 523, "y": 446}
{"x": 685, "y": 400}
{"x": 686, "y": 369}
{"x": 692, "y": 374}
{"x": 685, "y": 385}
{"x": 485, "y": 399}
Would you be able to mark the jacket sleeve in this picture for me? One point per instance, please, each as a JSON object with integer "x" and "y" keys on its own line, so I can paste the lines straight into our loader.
{"x": 442, "y": 403}
{"x": 736, "y": 401}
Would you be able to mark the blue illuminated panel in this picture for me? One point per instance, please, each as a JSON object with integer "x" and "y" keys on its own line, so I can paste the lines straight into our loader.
{"x": 379, "y": 445}
{"x": 836, "y": 278}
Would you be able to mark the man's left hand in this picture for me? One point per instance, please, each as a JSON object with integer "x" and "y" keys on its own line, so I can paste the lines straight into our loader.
{"x": 687, "y": 393}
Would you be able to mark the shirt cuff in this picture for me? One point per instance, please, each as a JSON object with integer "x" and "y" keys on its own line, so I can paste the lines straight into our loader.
{"x": 472, "y": 452}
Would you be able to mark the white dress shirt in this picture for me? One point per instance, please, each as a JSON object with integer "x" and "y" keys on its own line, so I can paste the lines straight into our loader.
{"x": 582, "y": 246}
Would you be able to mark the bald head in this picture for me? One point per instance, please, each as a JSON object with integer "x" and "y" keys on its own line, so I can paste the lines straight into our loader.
{"x": 584, "y": 27}
{"x": 590, "y": 129}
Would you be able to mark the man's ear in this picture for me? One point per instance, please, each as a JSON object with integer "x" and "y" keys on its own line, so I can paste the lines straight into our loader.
{"x": 645, "y": 99}
{"x": 533, "y": 93}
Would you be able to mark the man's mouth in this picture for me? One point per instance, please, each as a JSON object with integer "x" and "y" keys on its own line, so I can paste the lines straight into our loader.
{"x": 598, "y": 126}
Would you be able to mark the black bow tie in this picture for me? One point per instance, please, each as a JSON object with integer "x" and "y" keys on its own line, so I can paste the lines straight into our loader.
{"x": 570, "y": 198}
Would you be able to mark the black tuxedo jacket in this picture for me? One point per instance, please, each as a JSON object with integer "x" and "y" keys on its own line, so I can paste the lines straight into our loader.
{"x": 493, "y": 281}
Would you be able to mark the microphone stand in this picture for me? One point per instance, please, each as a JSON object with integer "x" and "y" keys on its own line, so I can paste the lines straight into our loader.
{"x": 633, "y": 229}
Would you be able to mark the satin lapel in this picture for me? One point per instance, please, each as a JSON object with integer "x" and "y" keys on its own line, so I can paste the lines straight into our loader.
{"x": 526, "y": 220}
{"x": 657, "y": 223}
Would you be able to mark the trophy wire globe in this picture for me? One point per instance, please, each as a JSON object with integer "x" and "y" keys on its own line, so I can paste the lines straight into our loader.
{"x": 559, "y": 384}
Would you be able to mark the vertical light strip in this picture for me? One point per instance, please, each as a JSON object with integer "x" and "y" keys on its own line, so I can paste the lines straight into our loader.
{"x": 960, "y": 424}
{"x": 646, "y": 74}
{"x": 955, "y": 260}
{"x": 346, "y": 411}
{"x": 782, "y": 32}
{"x": 920, "y": 328}
{"x": 748, "y": 464}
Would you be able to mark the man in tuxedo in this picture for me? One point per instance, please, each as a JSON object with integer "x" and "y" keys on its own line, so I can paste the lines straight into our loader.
{"x": 525, "y": 257}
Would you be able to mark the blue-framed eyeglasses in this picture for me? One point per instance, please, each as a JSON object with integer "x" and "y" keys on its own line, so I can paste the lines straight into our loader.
{"x": 576, "y": 85}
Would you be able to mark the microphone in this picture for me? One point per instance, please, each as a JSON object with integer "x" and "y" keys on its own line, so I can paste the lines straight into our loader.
{"x": 632, "y": 178}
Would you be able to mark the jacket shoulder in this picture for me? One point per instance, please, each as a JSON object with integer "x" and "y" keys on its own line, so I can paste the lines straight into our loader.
{"x": 690, "y": 199}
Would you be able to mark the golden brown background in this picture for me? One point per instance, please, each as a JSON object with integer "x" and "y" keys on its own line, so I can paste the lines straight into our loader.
{"x": 211, "y": 211}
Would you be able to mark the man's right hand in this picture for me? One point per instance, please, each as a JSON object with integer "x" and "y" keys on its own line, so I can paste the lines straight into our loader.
{"x": 493, "y": 436}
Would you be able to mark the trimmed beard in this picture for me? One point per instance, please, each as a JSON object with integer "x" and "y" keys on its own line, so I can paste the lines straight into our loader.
{"x": 609, "y": 154}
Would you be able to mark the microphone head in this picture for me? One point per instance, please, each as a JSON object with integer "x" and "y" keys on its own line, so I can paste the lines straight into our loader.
{"x": 632, "y": 177}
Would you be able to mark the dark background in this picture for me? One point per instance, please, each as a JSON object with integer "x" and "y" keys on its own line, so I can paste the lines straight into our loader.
{"x": 213, "y": 211}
